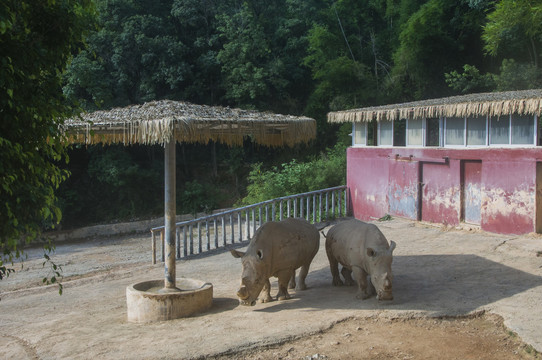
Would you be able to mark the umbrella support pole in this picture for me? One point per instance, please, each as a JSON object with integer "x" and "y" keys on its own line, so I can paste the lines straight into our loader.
{"x": 169, "y": 216}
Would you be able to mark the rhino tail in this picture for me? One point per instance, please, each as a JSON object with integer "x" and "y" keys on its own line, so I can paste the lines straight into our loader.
{"x": 237, "y": 253}
{"x": 321, "y": 226}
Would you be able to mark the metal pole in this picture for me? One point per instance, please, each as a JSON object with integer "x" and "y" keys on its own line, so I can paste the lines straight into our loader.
{"x": 153, "y": 248}
{"x": 169, "y": 209}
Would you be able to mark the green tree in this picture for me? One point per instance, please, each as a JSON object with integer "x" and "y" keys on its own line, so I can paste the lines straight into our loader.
{"x": 438, "y": 38}
{"x": 471, "y": 80}
{"x": 328, "y": 169}
{"x": 36, "y": 41}
{"x": 134, "y": 56}
{"x": 349, "y": 55}
{"x": 515, "y": 27}
{"x": 517, "y": 76}
{"x": 196, "y": 24}
{"x": 512, "y": 36}
{"x": 263, "y": 47}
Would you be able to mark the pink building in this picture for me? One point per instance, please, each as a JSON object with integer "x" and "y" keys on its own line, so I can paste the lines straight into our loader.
{"x": 472, "y": 159}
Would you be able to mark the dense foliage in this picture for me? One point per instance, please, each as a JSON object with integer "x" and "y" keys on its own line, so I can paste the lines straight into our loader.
{"x": 294, "y": 56}
{"x": 288, "y": 56}
{"x": 36, "y": 41}
{"x": 323, "y": 171}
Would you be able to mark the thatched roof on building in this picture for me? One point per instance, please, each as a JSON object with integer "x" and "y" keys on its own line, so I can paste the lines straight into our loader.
{"x": 473, "y": 105}
{"x": 154, "y": 122}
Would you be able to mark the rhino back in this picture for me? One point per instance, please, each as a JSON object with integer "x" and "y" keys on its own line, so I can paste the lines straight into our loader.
{"x": 358, "y": 234}
{"x": 349, "y": 240}
{"x": 288, "y": 243}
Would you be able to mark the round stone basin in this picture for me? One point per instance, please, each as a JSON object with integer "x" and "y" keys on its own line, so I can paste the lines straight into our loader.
{"x": 148, "y": 301}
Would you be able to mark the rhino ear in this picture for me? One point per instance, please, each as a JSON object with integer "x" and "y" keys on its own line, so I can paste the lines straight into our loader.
{"x": 260, "y": 254}
{"x": 392, "y": 246}
{"x": 371, "y": 252}
{"x": 323, "y": 234}
{"x": 237, "y": 254}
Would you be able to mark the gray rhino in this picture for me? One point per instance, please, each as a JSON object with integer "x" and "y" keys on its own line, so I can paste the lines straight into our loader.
{"x": 277, "y": 249}
{"x": 363, "y": 250}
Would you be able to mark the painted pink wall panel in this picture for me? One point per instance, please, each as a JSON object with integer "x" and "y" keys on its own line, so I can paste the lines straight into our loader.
{"x": 508, "y": 196}
{"x": 367, "y": 180}
{"x": 380, "y": 184}
{"x": 403, "y": 188}
{"x": 441, "y": 194}
{"x": 472, "y": 191}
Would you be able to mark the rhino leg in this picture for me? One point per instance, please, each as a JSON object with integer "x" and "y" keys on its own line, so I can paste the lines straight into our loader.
{"x": 302, "y": 276}
{"x": 291, "y": 284}
{"x": 334, "y": 267}
{"x": 333, "y": 264}
{"x": 361, "y": 277}
{"x": 283, "y": 278}
{"x": 265, "y": 295}
{"x": 347, "y": 275}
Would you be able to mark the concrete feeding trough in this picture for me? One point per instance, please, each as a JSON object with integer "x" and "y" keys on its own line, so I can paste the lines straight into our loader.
{"x": 149, "y": 301}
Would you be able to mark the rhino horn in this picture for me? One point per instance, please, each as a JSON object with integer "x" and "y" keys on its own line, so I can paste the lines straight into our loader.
{"x": 237, "y": 253}
{"x": 387, "y": 282}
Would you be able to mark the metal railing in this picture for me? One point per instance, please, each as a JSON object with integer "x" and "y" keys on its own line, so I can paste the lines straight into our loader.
{"x": 238, "y": 225}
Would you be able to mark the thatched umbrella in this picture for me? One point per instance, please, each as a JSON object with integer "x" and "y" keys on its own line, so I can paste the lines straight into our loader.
{"x": 154, "y": 123}
{"x": 525, "y": 102}
{"x": 165, "y": 122}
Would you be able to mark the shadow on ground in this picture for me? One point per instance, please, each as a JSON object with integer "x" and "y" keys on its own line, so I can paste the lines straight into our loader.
{"x": 447, "y": 284}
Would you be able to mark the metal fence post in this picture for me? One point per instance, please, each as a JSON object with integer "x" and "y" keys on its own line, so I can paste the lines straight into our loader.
{"x": 185, "y": 242}
{"x": 153, "y": 247}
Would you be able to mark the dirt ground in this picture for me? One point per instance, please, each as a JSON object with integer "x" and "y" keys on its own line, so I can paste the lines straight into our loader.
{"x": 477, "y": 337}
{"x": 459, "y": 294}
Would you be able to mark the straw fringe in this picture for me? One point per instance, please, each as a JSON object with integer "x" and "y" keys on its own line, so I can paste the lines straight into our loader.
{"x": 155, "y": 122}
{"x": 528, "y": 102}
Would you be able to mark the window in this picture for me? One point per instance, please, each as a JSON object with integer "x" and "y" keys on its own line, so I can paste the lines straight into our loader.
{"x": 455, "y": 132}
{"x": 506, "y": 130}
{"x": 476, "y": 131}
{"x": 522, "y": 130}
{"x": 414, "y": 132}
{"x": 432, "y": 132}
{"x": 512, "y": 130}
{"x": 385, "y": 133}
{"x": 499, "y": 130}
{"x": 399, "y": 132}
{"x": 359, "y": 134}
{"x": 372, "y": 133}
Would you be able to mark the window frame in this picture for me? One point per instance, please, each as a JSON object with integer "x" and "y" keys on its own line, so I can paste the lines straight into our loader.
{"x": 379, "y": 134}
{"x": 443, "y": 133}
{"x": 445, "y": 130}
{"x": 407, "y": 144}
{"x": 354, "y": 143}
{"x": 486, "y": 142}
{"x": 510, "y": 145}
{"x": 440, "y": 133}
{"x": 534, "y": 128}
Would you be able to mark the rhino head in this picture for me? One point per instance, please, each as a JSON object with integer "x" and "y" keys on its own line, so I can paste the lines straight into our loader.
{"x": 253, "y": 277}
{"x": 379, "y": 264}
